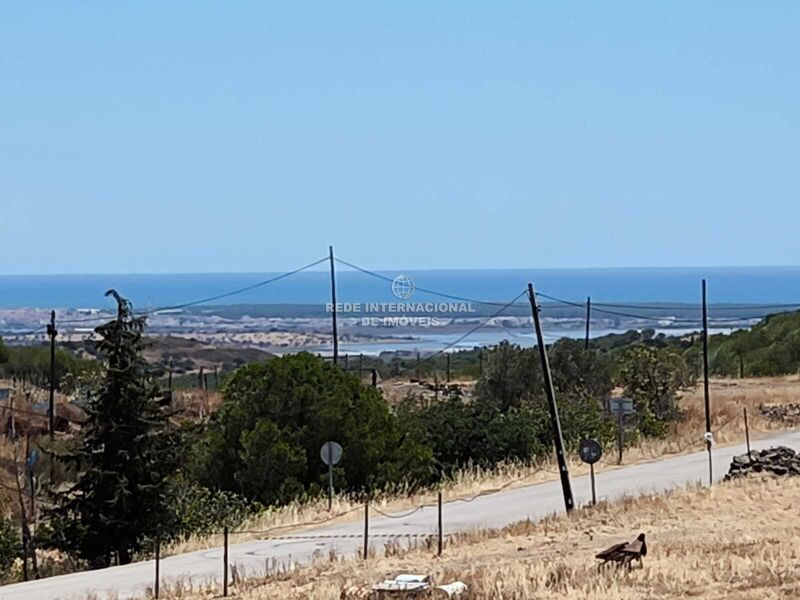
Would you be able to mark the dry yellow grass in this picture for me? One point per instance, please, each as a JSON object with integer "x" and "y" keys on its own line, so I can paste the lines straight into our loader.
{"x": 739, "y": 540}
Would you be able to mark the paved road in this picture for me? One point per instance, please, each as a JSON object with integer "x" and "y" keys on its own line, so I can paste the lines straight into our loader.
{"x": 496, "y": 510}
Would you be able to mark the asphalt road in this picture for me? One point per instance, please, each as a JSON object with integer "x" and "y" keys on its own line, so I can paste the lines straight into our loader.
{"x": 496, "y": 510}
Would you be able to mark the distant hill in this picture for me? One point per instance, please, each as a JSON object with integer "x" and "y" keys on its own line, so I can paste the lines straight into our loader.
{"x": 189, "y": 355}
{"x": 771, "y": 347}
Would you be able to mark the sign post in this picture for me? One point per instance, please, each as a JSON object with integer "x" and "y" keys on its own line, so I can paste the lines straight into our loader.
{"x": 621, "y": 407}
{"x": 331, "y": 454}
{"x": 590, "y": 452}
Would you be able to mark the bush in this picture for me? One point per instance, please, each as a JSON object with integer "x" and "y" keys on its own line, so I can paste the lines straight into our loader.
{"x": 201, "y": 511}
{"x": 10, "y": 546}
{"x": 264, "y": 441}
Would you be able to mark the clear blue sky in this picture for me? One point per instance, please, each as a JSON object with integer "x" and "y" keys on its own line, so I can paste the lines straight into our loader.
{"x": 247, "y": 136}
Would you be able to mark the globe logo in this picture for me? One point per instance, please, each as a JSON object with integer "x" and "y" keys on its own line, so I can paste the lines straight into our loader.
{"x": 403, "y": 287}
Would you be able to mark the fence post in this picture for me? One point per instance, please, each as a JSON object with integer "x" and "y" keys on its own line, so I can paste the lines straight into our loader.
{"x": 158, "y": 566}
{"x": 225, "y": 565}
{"x": 441, "y": 533}
{"x": 747, "y": 434}
{"x": 366, "y": 528}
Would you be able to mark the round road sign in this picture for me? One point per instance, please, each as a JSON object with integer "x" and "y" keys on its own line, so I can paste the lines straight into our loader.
{"x": 590, "y": 451}
{"x": 330, "y": 453}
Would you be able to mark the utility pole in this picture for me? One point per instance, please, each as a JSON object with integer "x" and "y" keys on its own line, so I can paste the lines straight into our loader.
{"x": 170, "y": 366}
{"x": 566, "y": 487}
{"x": 588, "y": 321}
{"x": 51, "y": 332}
{"x": 333, "y": 312}
{"x": 706, "y": 395}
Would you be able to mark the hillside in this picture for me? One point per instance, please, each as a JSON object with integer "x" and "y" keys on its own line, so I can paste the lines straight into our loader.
{"x": 772, "y": 347}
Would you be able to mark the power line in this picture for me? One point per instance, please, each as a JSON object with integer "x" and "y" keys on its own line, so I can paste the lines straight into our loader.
{"x": 580, "y": 304}
{"x": 422, "y": 289}
{"x": 235, "y": 292}
{"x": 637, "y": 316}
{"x": 467, "y": 334}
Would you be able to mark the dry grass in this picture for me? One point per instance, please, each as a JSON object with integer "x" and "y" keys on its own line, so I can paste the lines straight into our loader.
{"x": 728, "y": 399}
{"x": 738, "y": 540}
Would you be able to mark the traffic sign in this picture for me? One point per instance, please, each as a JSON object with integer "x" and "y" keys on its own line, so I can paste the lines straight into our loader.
{"x": 621, "y": 405}
{"x": 330, "y": 453}
{"x": 590, "y": 451}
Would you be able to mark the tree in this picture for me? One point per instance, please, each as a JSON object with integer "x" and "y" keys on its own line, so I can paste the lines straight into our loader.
{"x": 3, "y": 352}
{"x": 124, "y": 458}
{"x": 652, "y": 377}
{"x": 264, "y": 441}
{"x": 511, "y": 375}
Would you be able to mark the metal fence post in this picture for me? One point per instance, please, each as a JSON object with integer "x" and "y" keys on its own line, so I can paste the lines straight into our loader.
{"x": 158, "y": 566}
{"x": 441, "y": 533}
{"x": 366, "y": 529}
{"x": 747, "y": 434}
{"x": 225, "y": 565}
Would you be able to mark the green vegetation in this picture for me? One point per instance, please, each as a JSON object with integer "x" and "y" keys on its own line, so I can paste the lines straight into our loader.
{"x": 124, "y": 459}
{"x": 264, "y": 441}
{"x": 772, "y": 347}
{"x": 652, "y": 377}
{"x": 10, "y": 546}
{"x": 135, "y": 477}
{"x": 32, "y": 364}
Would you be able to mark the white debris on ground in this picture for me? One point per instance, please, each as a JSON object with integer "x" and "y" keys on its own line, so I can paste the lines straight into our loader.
{"x": 417, "y": 586}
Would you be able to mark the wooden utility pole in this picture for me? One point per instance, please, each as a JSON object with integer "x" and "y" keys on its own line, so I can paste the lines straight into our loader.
{"x": 170, "y": 366}
{"x": 51, "y": 332}
{"x": 566, "y": 486}
{"x": 333, "y": 312}
{"x": 588, "y": 321}
{"x": 706, "y": 395}
{"x": 447, "y": 356}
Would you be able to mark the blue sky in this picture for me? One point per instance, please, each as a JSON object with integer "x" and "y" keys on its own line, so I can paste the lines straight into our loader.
{"x": 247, "y": 136}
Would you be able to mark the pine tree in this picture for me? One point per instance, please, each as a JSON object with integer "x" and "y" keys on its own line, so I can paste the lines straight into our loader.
{"x": 127, "y": 451}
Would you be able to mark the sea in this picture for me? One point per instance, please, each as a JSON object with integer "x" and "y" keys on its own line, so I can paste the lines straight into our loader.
{"x": 745, "y": 285}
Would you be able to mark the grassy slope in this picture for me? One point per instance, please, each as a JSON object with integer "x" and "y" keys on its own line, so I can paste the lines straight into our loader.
{"x": 737, "y": 540}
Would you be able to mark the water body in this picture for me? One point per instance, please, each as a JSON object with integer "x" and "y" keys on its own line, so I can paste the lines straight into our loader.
{"x": 429, "y": 343}
{"x": 752, "y": 285}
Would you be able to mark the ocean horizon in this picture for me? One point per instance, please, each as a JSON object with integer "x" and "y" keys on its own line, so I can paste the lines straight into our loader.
{"x": 741, "y": 285}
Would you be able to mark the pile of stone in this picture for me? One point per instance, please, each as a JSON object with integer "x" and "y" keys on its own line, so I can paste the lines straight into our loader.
{"x": 781, "y": 413}
{"x": 778, "y": 461}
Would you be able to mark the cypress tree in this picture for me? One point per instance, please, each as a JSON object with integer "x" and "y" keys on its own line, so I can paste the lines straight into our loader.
{"x": 126, "y": 453}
